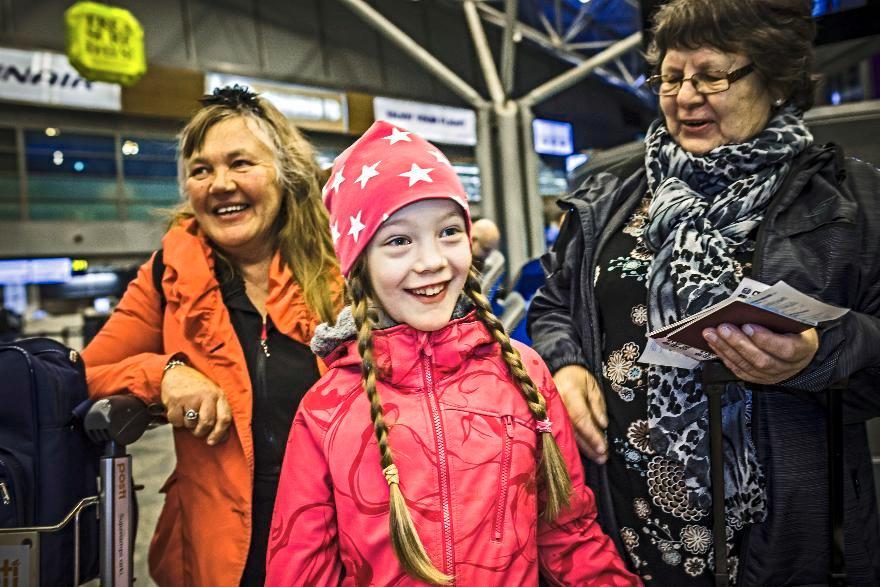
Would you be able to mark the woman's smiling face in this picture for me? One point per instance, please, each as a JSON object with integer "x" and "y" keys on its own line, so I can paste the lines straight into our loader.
{"x": 701, "y": 122}
{"x": 232, "y": 188}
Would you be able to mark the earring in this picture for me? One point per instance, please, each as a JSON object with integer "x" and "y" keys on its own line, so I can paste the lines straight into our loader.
{"x": 778, "y": 102}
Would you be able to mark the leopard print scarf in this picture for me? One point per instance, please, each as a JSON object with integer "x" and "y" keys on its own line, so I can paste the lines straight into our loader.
{"x": 703, "y": 209}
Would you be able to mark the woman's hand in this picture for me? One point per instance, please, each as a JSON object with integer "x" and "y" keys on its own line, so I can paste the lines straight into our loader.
{"x": 586, "y": 407}
{"x": 758, "y": 355}
{"x": 183, "y": 389}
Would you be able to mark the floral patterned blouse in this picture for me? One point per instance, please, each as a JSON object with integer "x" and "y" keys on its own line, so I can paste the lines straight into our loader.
{"x": 668, "y": 541}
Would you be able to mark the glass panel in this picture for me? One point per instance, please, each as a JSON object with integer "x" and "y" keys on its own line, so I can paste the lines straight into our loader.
{"x": 8, "y": 162}
{"x": 66, "y": 211}
{"x": 469, "y": 175}
{"x": 551, "y": 181}
{"x": 85, "y": 155}
{"x": 69, "y": 187}
{"x": 9, "y": 210}
{"x": 7, "y": 138}
{"x": 9, "y": 187}
{"x": 149, "y": 157}
{"x": 71, "y": 176}
{"x": 150, "y": 169}
{"x": 160, "y": 192}
{"x": 148, "y": 213}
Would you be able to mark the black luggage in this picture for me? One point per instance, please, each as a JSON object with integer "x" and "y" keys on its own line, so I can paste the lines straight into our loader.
{"x": 47, "y": 464}
{"x": 715, "y": 377}
{"x": 67, "y": 508}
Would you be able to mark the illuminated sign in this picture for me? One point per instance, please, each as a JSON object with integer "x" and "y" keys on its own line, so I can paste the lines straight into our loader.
{"x": 41, "y": 77}
{"x": 105, "y": 43}
{"x": 312, "y": 108}
{"x": 552, "y": 137}
{"x": 442, "y": 124}
{"x": 25, "y": 271}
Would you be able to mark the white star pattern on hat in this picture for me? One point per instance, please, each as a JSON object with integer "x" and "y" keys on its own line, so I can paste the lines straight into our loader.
{"x": 337, "y": 180}
{"x": 356, "y": 226}
{"x": 417, "y": 174}
{"x": 397, "y": 135}
{"x": 367, "y": 172}
{"x": 440, "y": 157}
{"x": 334, "y": 232}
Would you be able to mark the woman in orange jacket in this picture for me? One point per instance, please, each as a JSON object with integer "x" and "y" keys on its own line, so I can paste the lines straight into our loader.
{"x": 222, "y": 341}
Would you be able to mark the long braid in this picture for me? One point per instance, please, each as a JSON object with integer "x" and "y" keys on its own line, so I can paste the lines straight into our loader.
{"x": 404, "y": 537}
{"x": 556, "y": 474}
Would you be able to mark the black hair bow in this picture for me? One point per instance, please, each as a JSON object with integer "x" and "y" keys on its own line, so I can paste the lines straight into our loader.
{"x": 235, "y": 97}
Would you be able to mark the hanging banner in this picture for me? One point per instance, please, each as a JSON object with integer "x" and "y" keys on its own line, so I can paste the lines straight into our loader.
{"x": 442, "y": 124}
{"x": 311, "y": 108}
{"x": 105, "y": 43}
{"x": 40, "y": 77}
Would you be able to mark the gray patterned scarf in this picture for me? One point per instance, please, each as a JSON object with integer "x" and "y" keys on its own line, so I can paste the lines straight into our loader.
{"x": 702, "y": 211}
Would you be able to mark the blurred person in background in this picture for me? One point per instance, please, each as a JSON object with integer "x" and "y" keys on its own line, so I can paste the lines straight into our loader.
{"x": 485, "y": 238}
{"x": 221, "y": 342}
{"x": 731, "y": 185}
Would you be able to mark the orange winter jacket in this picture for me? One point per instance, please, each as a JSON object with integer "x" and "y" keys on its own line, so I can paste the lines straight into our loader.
{"x": 204, "y": 531}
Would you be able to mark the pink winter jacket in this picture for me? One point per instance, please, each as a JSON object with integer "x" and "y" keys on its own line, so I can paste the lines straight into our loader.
{"x": 465, "y": 445}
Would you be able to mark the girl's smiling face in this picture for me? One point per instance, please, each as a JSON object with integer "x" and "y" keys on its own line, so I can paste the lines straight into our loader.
{"x": 418, "y": 263}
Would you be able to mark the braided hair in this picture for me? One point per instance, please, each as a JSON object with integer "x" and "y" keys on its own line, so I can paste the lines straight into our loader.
{"x": 556, "y": 474}
{"x": 404, "y": 538}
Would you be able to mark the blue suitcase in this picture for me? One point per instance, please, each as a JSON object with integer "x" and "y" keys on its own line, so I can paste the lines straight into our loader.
{"x": 47, "y": 464}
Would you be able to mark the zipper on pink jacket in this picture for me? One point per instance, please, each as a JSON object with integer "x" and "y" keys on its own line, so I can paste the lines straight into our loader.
{"x": 506, "y": 457}
{"x": 442, "y": 465}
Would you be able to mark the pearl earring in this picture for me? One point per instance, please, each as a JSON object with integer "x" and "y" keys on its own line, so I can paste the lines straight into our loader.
{"x": 778, "y": 102}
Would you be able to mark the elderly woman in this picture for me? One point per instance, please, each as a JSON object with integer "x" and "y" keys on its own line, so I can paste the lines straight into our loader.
{"x": 730, "y": 186}
{"x": 220, "y": 336}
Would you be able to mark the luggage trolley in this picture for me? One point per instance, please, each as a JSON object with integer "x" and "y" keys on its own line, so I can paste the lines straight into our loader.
{"x": 113, "y": 423}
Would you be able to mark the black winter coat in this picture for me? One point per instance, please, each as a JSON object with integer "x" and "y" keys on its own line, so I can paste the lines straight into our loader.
{"x": 821, "y": 234}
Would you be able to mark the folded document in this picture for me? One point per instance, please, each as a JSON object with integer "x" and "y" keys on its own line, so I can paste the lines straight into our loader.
{"x": 780, "y": 308}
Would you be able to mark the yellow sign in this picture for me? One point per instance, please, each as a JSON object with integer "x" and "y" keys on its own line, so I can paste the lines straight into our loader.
{"x": 105, "y": 43}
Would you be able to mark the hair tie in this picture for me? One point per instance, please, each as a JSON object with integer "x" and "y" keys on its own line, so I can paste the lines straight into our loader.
{"x": 234, "y": 97}
{"x": 391, "y": 475}
{"x": 544, "y": 425}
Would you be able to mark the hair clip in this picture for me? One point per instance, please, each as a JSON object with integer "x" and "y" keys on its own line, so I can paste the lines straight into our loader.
{"x": 544, "y": 425}
{"x": 235, "y": 97}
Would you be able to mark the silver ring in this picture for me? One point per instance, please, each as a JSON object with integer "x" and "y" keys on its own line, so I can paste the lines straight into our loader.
{"x": 191, "y": 415}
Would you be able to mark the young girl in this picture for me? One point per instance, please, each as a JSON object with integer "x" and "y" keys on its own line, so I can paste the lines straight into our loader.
{"x": 454, "y": 466}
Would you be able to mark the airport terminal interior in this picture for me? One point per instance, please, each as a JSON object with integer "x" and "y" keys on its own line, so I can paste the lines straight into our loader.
{"x": 527, "y": 99}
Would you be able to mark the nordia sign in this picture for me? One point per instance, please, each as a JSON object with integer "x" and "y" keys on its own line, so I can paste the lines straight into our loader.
{"x": 41, "y": 77}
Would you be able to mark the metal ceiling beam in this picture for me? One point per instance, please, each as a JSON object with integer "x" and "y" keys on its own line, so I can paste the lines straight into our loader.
{"x": 578, "y": 24}
{"x": 498, "y": 18}
{"x": 569, "y": 78}
{"x": 375, "y": 19}
{"x": 508, "y": 46}
{"x": 484, "y": 52}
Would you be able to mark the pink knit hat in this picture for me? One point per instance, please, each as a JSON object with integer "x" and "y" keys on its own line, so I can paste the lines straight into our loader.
{"x": 383, "y": 171}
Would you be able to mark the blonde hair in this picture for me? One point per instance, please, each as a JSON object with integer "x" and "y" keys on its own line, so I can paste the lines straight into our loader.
{"x": 404, "y": 536}
{"x": 302, "y": 229}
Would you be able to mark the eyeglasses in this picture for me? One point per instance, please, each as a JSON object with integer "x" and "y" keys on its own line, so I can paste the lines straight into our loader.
{"x": 705, "y": 82}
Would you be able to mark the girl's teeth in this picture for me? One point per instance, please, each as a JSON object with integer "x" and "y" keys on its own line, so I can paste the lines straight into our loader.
{"x": 429, "y": 291}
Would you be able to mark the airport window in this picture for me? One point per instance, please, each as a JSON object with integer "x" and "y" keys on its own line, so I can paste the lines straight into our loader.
{"x": 71, "y": 176}
{"x": 149, "y": 168}
{"x": 10, "y": 198}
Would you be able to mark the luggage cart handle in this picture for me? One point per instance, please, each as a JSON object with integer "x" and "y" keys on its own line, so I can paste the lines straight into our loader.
{"x": 83, "y": 504}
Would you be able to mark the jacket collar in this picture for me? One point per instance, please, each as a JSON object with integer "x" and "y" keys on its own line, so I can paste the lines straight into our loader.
{"x": 401, "y": 352}
{"x": 192, "y": 289}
